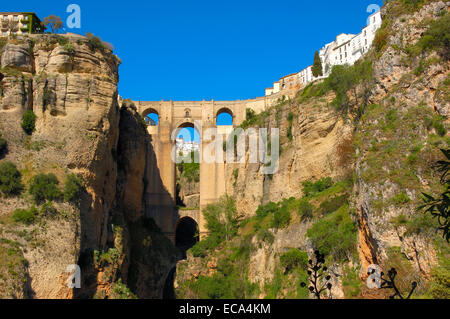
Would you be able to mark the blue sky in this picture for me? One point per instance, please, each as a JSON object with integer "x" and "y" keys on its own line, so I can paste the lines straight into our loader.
{"x": 208, "y": 49}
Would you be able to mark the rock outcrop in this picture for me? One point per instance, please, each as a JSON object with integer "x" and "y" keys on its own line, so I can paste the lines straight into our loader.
{"x": 70, "y": 83}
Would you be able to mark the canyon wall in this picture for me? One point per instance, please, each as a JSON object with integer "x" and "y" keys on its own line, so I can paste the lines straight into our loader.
{"x": 70, "y": 84}
{"x": 381, "y": 157}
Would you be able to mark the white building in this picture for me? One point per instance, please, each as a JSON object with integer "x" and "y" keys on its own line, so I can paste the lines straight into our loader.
{"x": 186, "y": 147}
{"x": 345, "y": 49}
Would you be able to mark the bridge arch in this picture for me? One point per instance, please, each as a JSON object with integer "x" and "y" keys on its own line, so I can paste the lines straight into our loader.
{"x": 186, "y": 233}
{"x": 225, "y": 116}
{"x": 151, "y": 117}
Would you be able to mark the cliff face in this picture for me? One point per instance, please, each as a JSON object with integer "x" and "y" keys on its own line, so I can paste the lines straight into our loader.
{"x": 70, "y": 83}
{"x": 317, "y": 134}
{"x": 389, "y": 147}
{"x": 409, "y": 92}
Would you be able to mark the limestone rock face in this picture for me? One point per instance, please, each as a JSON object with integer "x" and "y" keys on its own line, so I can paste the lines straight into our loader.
{"x": 322, "y": 145}
{"x": 72, "y": 89}
{"x": 392, "y": 70}
{"x": 396, "y": 81}
{"x": 17, "y": 56}
{"x": 312, "y": 154}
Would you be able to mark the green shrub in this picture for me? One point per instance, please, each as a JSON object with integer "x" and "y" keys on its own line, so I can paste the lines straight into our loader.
{"x": 10, "y": 180}
{"x": 380, "y": 40}
{"x": 437, "y": 37}
{"x": 331, "y": 205}
{"x": 109, "y": 257}
{"x": 422, "y": 224}
{"x": 440, "y": 283}
{"x": 289, "y": 133}
{"x": 400, "y": 199}
{"x": 44, "y": 187}
{"x": 48, "y": 210}
{"x": 265, "y": 210}
{"x": 294, "y": 258}
{"x": 266, "y": 236}
{"x": 335, "y": 235}
{"x": 73, "y": 188}
{"x": 121, "y": 291}
{"x": 222, "y": 223}
{"x": 313, "y": 188}
{"x": 24, "y": 216}
{"x": 281, "y": 218}
{"x": 249, "y": 114}
{"x": 215, "y": 287}
{"x": 94, "y": 42}
{"x": 29, "y": 122}
{"x": 200, "y": 248}
{"x": 305, "y": 208}
{"x": 351, "y": 283}
{"x": 190, "y": 171}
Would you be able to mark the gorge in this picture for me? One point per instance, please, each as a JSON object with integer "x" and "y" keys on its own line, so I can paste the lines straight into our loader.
{"x": 356, "y": 152}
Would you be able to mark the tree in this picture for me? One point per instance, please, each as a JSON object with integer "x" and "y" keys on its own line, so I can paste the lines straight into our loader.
{"x": 10, "y": 180}
{"x": 221, "y": 218}
{"x": 73, "y": 188}
{"x": 13, "y": 26}
{"x": 54, "y": 23}
{"x": 29, "y": 122}
{"x": 45, "y": 187}
{"x": 317, "y": 69}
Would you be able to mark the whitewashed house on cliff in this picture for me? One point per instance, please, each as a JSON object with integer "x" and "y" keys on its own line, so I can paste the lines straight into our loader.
{"x": 345, "y": 49}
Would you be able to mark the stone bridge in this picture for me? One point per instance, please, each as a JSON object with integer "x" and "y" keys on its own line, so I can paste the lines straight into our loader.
{"x": 173, "y": 116}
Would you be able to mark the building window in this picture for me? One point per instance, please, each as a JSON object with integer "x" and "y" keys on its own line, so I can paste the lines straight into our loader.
{"x": 16, "y": 18}
{"x": 374, "y": 19}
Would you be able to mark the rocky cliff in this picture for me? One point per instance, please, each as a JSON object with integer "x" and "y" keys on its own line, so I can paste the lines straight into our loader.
{"x": 378, "y": 142}
{"x": 70, "y": 84}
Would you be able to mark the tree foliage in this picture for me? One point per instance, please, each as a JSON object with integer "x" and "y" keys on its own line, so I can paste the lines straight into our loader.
{"x": 29, "y": 122}
{"x": 312, "y": 188}
{"x": 54, "y": 23}
{"x": 222, "y": 223}
{"x": 10, "y": 180}
{"x": 25, "y": 216}
{"x": 335, "y": 235}
{"x": 45, "y": 187}
{"x": 317, "y": 69}
{"x": 73, "y": 188}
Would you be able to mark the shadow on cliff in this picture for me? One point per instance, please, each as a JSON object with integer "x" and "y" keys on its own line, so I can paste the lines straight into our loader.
{"x": 142, "y": 203}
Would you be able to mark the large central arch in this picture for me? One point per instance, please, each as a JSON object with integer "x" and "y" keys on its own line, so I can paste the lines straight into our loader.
{"x": 173, "y": 116}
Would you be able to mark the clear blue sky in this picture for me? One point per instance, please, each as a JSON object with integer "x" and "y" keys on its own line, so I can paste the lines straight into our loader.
{"x": 208, "y": 49}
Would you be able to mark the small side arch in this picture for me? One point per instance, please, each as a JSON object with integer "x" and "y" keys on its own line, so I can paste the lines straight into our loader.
{"x": 224, "y": 117}
{"x": 151, "y": 117}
